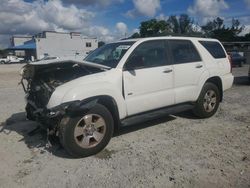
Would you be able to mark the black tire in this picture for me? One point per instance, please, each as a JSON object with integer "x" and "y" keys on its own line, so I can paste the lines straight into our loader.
{"x": 240, "y": 64}
{"x": 2, "y": 62}
{"x": 199, "y": 109}
{"x": 67, "y": 132}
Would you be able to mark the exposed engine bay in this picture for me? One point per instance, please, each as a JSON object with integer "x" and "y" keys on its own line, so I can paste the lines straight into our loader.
{"x": 39, "y": 81}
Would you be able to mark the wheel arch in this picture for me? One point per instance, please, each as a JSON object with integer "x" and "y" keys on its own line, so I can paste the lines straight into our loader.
{"x": 216, "y": 80}
{"x": 110, "y": 103}
{"x": 105, "y": 100}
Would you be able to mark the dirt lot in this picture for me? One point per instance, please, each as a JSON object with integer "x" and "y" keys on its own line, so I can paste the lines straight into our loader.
{"x": 175, "y": 151}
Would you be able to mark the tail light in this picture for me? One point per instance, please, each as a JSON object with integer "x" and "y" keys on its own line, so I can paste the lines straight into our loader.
{"x": 230, "y": 61}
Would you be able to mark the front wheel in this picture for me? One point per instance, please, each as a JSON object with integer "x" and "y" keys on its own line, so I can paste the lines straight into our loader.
{"x": 87, "y": 134}
{"x": 208, "y": 101}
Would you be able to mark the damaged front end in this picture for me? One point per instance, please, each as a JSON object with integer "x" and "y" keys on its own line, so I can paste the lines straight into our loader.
{"x": 39, "y": 81}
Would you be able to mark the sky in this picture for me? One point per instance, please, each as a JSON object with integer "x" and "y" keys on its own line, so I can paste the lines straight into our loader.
{"x": 108, "y": 20}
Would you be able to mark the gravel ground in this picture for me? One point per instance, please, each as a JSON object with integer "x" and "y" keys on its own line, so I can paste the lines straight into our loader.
{"x": 174, "y": 151}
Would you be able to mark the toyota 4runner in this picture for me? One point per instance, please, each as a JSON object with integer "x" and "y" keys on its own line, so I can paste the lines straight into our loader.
{"x": 123, "y": 83}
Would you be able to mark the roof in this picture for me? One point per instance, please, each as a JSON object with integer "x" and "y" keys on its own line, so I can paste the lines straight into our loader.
{"x": 27, "y": 46}
{"x": 233, "y": 43}
{"x": 167, "y": 37}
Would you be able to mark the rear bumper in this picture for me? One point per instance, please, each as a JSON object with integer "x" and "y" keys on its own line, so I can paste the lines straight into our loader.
{"x": 227, "y": 81}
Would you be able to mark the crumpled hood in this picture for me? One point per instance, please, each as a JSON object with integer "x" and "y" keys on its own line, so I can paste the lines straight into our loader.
{"x": 88, "y": 79}
{"x": 82, "y": 84}
{"x": 42, "y": 79}
{"x": 29, "y": 69}
{"x": 64, "y": 60}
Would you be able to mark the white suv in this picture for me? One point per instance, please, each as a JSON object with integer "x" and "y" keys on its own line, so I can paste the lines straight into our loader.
{"x": 123, "y": 83}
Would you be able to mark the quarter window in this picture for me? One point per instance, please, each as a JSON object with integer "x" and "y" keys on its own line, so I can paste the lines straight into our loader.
{"x": 183, "y": 51}
{"x": 214, "y": 48}
{"x": 148, "y": 54}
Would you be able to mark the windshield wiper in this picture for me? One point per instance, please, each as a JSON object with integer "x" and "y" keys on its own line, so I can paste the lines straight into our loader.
{"x": 92, "y": 64}
{"x": 87, "y": 63}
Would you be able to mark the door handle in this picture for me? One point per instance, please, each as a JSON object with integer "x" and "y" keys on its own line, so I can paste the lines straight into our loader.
{"x": 167, "y": 71}
{"x": 198, "y": 66}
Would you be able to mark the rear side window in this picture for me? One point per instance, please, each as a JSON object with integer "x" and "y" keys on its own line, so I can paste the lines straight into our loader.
{"x": 214, "y": 48}
{"x": 183, "y": 51}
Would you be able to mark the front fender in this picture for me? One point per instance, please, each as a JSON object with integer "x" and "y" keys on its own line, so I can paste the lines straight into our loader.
{"x": 88, "y": 91}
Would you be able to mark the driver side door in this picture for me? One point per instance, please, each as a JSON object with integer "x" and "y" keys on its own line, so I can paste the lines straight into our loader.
{"x": 148, "y": 78}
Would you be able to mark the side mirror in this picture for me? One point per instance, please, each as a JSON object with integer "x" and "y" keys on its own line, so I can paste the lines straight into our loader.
{"x": 133, "y": 63}
{"x": 129, "y": 66}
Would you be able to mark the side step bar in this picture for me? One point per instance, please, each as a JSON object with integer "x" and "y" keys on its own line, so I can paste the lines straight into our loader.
{"x": 150, "y": 115}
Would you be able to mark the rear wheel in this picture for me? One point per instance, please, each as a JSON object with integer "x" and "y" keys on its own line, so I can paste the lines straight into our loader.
{"x": 89, "y": 133}
{"x": 208, "y": 101}
{"x": 2, "y": 62}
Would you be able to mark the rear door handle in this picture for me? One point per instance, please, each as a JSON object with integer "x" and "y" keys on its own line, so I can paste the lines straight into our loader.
{"x": 167, "y": 71}
{"x": 198, "y": 66}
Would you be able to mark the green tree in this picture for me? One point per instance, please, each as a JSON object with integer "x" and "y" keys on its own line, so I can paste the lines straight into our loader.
{"x": 181, "y": 25}
{"x": 184, "y": 25}
{"x": 3, "y": 53}
{"x": 135, "y": 35}
{"x": 153, "y": 27}
{"x": 217, "y": 29}
{"x": 247, "y": 37}
{"x": 174, "y": 24}
{"x": 236, "y": 27}
{"x": 101, "y": 43}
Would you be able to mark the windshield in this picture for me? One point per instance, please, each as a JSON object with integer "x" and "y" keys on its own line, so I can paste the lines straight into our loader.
{"x": 109, "y": 54}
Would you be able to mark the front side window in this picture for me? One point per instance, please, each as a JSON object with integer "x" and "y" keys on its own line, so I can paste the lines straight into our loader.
{"x": 148, "y": 54}
{"x": 109, "y": 54}
{"x": 183, "y": 51}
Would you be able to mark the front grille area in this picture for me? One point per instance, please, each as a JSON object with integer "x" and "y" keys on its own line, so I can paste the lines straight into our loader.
{"x": 39, "y": 94}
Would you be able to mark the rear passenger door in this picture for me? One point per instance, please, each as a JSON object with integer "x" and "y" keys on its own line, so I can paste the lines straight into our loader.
{"x": 219, "y": 61}
{"x": 188, "y": 68}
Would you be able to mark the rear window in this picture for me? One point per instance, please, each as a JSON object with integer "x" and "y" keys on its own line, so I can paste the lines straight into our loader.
{"x": 183, "y": 51}
{"x": 214, "y": 48}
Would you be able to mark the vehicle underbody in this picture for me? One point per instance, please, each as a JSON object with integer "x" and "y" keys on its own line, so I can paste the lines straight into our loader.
{"x": 40, "y": 81}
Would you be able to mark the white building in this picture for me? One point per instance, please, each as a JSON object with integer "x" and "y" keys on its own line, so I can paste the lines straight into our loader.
{"x": 19, "y": 40}
{"x": 50, "y": 43}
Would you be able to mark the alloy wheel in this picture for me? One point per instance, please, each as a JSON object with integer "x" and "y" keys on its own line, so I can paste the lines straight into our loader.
{"x": 89, "y": 130}
{"x": 210, "y": 100}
